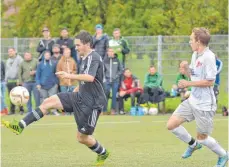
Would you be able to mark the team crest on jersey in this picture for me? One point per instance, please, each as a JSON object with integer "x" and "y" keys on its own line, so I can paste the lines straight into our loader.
{"x": 198, "y": 64}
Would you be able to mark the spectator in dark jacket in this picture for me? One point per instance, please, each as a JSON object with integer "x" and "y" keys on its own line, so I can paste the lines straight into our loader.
{"x": 46, "y": 80}
{"x": 4, "y": 110}
{"x": 100, "y": 41}
{"x": 113, "y": 71}
{"x": 65, "y": 42}
{"x": 45, "y": 44}
{"x": 130, "y": 87}
{"x": 120, "y": 45}
{"x": 56, "y": 53}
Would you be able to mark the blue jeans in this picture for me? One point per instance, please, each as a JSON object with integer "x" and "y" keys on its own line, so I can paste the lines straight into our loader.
{"x": 67, "y": 88}
{"x": 31, "y": 87}
{"x": 3, "y": 91}
{"x": 114, "y": 86}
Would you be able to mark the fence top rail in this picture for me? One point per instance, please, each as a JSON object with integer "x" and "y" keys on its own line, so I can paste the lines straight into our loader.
{"x": 155, "y": 36}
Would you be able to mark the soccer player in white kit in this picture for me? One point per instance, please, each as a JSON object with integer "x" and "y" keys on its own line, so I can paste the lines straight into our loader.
{"x": 201, "y": 105}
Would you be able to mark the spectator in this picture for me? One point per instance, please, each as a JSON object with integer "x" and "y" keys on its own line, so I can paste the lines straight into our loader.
{"x": 68, "y": 65}
{"x": 56, "y": 53}
{"x": 46, "y": 79}
{"x": 45, "y": 44}
{"x": 11, "y": 78}
{"x": 4, "y": 110}
{"x": 120, "y": 45}
{"x": 26, "y": 75}
{"x": 65, "y": 42}
{"x": 219, "y": 65}
{"x": 100, "y": 41}
{"x": 130, "y": 87}
{"x": 183, "y": 92}
{"x": 113, "y": 71}
{"x": 153, "y": 84}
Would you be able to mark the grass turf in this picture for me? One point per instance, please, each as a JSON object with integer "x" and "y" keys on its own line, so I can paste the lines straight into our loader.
{"x": 133, "y": 142}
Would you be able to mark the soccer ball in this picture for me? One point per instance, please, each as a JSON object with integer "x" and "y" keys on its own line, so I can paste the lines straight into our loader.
{"x": 153, "y": 111}
{"x": 19, "y": 96}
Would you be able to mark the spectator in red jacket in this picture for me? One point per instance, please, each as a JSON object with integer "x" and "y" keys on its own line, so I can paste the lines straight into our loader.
{"x": 130, "y": 87}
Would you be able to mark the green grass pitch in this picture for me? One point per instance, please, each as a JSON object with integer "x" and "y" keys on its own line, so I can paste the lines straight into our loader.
{"x": 132, "y": 141}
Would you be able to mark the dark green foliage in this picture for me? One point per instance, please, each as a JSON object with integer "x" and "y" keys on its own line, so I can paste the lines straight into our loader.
{"x": 134, "y": 17}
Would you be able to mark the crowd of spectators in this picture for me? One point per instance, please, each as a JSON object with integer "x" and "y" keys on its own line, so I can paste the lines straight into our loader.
{"x": 37, "y": 73}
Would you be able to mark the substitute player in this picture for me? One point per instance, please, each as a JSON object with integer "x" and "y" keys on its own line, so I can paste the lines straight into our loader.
{"x": 86, "y": 102}
{"x": 201, "y": 105}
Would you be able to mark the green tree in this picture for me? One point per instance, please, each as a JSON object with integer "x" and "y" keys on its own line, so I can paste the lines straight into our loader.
{"x": 134, "y": 17}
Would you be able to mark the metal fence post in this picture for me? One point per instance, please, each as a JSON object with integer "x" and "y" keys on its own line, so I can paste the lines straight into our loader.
{"x": 16, "y": 43}
{"x": 159, "y": 54}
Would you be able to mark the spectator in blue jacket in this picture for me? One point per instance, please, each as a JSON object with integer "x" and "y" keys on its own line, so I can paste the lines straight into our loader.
{"x": 219, "y": 65}
{"x": 46, "y": 80}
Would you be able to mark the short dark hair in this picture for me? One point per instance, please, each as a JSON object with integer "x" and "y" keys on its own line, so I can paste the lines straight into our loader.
{"x": 151, "y": 66}
{"x": 11, "y": 48}
{"x": 85, "y": 37}
{"x": 202, "y": 34}
{"x": 28, "y": 52}
{"x": 126, "y": 69}
{"x": 46, "y": 51}
{"x": 116, "y": 29}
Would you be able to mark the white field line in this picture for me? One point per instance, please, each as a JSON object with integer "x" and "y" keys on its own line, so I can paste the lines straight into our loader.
{"x": 112, "y": 122}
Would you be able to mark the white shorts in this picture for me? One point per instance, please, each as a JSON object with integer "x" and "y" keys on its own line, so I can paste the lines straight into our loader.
{"x": 204, "y": 119}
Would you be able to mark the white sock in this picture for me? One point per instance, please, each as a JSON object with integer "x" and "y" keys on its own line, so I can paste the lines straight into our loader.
{"x": 213, "y": 145}
{"x": 181, "y": 133}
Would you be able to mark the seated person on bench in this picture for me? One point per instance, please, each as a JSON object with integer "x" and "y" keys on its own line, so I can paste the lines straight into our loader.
{"x": 183, "y": 92}
{"x": 130, "y": 87}
{"x": 153, "y": 86}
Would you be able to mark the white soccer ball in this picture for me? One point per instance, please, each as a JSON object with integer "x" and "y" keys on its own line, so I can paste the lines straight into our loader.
{"x": 19, "y": 95}
{"x": 153, "y": 111}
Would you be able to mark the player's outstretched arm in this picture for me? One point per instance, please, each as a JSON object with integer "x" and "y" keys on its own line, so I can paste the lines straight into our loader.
{"x": 79, "y": 77}
{"x": 202, "y": 83}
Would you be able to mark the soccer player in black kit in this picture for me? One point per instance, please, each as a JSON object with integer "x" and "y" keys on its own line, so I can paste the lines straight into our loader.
{"x": 86, "y": 102}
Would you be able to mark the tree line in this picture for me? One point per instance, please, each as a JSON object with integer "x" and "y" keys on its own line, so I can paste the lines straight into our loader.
{"x": 134, "y": 17}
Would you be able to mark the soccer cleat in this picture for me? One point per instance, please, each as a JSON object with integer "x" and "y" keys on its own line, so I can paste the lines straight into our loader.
{"x": 190, "y": 150}
{"x": 13, "y": 126}
{"x": 222, "y": 161}
{"x": 101, "y": 159}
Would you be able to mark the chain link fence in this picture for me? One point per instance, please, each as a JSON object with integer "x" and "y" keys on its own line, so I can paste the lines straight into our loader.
{"x": 165, "y": 52}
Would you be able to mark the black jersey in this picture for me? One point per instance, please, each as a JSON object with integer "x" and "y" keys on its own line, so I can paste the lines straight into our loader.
{"x": 92, "y": 93}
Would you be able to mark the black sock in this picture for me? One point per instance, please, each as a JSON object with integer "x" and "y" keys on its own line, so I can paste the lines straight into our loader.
{"x": 31, "y": 117}
{"x": 192, "y": 141}
{"x": 98, "y": 149}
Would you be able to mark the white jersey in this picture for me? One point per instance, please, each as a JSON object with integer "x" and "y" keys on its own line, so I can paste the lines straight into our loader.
{"x": 203, "y": 67}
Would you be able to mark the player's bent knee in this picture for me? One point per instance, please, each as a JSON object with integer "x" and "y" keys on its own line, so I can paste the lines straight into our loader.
{"x": 81, "y": 138}
{"x": 170, "y": 125}
{"x": 174, "y": 122}
{"x": 50, "y": 103}
{"x": 201, "y": 136}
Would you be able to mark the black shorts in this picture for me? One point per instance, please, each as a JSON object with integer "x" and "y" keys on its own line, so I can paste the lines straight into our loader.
{"x": 85, "y": 116}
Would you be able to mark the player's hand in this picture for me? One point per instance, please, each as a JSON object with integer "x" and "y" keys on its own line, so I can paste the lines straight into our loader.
{"x": 183, "y": 83}
{"x": 122, "y": 93}
{"x": 62, "y": 74}
{"x": 76, "y": 89}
